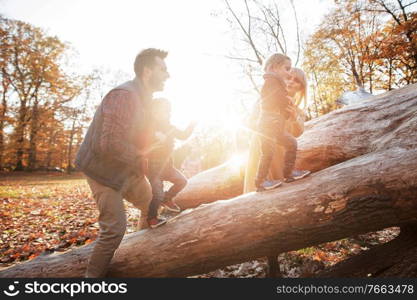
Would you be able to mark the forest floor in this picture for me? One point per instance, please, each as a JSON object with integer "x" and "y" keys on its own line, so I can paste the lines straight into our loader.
{"x": 55, "y": 212}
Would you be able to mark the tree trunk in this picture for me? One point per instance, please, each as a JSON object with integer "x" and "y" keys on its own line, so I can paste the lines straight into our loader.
{"x": 2, "y": 121}
{"x": 221, "y": 182}
{"x": 20, "y": 135}
{"x": 71, "y": 139}
{"x": 370, "y": 192}
{"x": 34, "y": 126}
{"x": 3, "y": 110}
{"x": 51, "y": 141}
{"x": 375, "y": 124}
{"x": 273, "y": 267}
{"x": 390, "y": 74}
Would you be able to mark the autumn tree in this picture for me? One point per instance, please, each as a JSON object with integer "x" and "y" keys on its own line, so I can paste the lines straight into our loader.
{"x": 52, "y": 140}
{"x": 357, "y": 45}
{"x": 35, "y": 74}
{"x": 399, "y": 46}
{"x": 326, "y": 78}
{"x": 344, "y": 31}
{"x": 77, "y": 115}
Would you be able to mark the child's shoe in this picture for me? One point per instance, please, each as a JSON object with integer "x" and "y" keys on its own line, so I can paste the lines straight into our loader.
{"x": 156, "y": 222}
{"x": 297, "y": 174}
{"x": 170, "y": 205}
{"x": 268, "y": 185}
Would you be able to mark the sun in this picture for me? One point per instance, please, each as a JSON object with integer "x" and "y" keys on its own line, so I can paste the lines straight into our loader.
{"x": 238, "y": 160}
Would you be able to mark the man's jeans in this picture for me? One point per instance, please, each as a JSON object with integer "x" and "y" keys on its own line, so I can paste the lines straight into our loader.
{"x": 112, "y": 219}
{"x": 272, "y": 132}
{"x": 158, "y": 173}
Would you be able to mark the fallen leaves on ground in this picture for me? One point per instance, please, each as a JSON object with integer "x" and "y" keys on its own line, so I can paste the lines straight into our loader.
{"x": 308, "y": 261}
{"x": 47, "y": 212}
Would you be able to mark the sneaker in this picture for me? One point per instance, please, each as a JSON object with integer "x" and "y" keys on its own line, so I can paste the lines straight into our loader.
{"x": 170, "y": 205}
{"x": 268, "y": 185}
{"x": 156, "y": 222}
{"x": 297, "y": 174}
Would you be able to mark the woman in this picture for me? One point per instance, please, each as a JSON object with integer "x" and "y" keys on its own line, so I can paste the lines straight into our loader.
{"x": 297, "y": 89}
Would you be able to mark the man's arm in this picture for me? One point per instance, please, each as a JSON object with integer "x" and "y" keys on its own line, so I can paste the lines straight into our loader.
{"x": 118, "y": 118}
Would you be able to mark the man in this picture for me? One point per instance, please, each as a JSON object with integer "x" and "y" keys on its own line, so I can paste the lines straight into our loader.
{"x": 112, "y": 154}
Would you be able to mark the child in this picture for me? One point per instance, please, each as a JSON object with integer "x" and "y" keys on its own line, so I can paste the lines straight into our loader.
{"x": 160, "y": 164}
{"x": 275, "y": 104}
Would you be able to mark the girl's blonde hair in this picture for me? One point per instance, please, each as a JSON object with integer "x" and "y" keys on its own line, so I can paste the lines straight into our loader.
{"x": 275, "y": 59}
{"x": 300, "y": 96}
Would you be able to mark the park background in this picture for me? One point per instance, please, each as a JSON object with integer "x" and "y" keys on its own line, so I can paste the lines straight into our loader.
{"x": 59, "y": 58}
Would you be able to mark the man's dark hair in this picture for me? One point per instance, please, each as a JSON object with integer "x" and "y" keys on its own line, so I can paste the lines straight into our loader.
{"x": 146, "y": 58}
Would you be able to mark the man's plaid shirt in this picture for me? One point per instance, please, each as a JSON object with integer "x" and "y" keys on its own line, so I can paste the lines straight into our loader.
{"x": 122, "y": 131}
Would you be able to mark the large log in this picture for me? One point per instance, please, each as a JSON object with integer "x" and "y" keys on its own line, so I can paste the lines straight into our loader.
{"x": 221, "y": 182}
{"x": 373, "y": 124}
{"x": 368, "y": 193}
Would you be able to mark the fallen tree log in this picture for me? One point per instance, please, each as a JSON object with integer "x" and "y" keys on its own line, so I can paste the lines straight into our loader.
{"x": 375, "y": 124}
{"x": 368, "y": 193}
{"x": 221, "y": 182}
{"x": 397, "y": 258}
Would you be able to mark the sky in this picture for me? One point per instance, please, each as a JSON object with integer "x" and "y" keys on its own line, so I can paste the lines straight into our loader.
{"x": 110, "y": 33}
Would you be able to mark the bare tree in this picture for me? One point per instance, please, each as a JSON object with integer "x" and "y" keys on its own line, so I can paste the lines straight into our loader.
{"x": 260, "y": 31}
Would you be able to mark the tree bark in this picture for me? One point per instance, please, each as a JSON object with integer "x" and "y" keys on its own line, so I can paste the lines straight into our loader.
{"x": 221, "y": 182}
{"x": 370, "y": 192}
{"x": 3, "y": 110}
{"x": 20, "y": 136}
{"x": 71, "y": 139}
{"x": 34, "y": 128}
{"x": 273, "y": 267}
{"x": 375, "y": 124}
